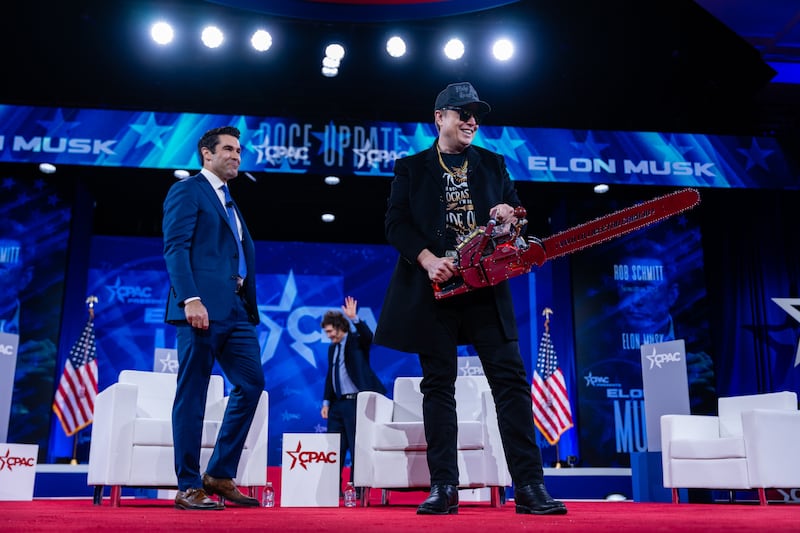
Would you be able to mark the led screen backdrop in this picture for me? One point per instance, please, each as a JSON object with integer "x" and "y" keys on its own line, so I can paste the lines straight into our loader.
{"x": 34, "y": 231}
{"x": 142, "y": 139}
{"x": 645, "y": 288}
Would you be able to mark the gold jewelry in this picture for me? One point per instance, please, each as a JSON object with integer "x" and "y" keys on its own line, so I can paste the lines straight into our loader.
{"x": 459, "y": 173}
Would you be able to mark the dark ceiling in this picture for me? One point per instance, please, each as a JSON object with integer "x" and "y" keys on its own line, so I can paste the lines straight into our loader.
{"x": 663, "y": 65}
{"x": 655, "y": 65}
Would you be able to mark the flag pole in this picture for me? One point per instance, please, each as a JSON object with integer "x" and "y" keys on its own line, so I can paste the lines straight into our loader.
{"x": 90, "y": 301}
{"x": 546, "y": 314}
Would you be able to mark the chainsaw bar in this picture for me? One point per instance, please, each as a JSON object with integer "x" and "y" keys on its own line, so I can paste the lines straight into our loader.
{"x": 486, "y": 259}
{"x": 619, "y": 223}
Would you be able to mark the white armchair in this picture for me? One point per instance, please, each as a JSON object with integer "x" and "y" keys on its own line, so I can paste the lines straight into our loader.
{"x": 132, "y": 434}
{"x": 749, "y": 445}
{"x": 390, "y": 447}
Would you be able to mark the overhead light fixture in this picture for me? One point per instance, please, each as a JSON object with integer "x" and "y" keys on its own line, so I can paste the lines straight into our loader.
{"x": 212, "y": 37}
{"x": 261, "y": 40}
{"x": 328, "y": 217}
{"x": 335, "y": 51}
{"x": 162, "y": 33}
{"x": 454, "y": 49}
{"x": 181, "y": 174}
{"x": 503, "y": 49}
{"x": 332, "y": 180}
{"x": 396, "y": 46}
{"x": 601, "y": 188}
{"x": 47, "y": 168}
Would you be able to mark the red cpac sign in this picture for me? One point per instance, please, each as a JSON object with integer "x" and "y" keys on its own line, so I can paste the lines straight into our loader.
{"x": 8, "y": 461}
{"x": 305, "y": 457}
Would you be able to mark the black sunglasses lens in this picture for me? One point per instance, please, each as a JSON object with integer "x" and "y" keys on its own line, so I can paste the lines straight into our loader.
{"x": 466, "y": 114}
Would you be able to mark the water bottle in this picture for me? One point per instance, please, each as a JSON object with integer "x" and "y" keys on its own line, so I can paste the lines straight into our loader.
{"x": 268, "y": 495}
{"x": 349, "y": 495}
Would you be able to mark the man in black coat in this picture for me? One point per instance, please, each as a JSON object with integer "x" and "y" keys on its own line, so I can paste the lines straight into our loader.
{"x": 438, "y": 197}
{"x": 348, "y": 373}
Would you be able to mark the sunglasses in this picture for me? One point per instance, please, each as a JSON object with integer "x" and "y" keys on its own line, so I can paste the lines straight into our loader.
{"x": 465, "y": 114}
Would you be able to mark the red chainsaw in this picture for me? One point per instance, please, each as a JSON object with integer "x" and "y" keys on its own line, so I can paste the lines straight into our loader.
{"x": 490, "y": 255}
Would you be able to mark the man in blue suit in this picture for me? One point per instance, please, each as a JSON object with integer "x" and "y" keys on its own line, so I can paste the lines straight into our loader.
{"x": 349, "y": 373}
{"x": 210, "y": 259}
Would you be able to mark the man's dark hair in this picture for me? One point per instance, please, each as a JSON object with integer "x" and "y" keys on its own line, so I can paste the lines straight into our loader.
{"x": 336, "y": 319}
{"x": 210, "y": 139}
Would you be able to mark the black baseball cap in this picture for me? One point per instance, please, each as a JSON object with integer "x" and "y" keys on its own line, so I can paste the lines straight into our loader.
{"x": 461, "y": 94}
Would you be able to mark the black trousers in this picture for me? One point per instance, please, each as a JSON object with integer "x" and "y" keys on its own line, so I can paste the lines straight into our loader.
{"x": 473, "y": 317}
{"x": 342, "y": 420}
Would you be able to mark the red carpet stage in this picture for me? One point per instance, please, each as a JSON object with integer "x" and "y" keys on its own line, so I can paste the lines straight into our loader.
{"x": 65, "y": 515}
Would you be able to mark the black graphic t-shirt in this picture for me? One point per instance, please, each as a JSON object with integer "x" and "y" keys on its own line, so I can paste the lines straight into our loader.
{"x": 459, "y": 211}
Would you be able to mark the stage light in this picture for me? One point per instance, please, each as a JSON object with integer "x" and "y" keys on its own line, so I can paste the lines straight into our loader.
{"x": 332, "y": 180}
{"x": 454, "y": 49}
{"x": 328, "y": 217}
{"x": 181, "y": 174}
{"x": 503, "y": 49}
{"x": 212, "y": 37}
{"x": 162, "y": 33}
{"x": 335, "y": 51}
{"x": 329, "y": 62}
{"x": 330, "y": 72}
{"x": 601, "y": 188}
{"x": 47, "y": 168}
{"x": 396, "y": 47}
{"x": 261, "y": 40}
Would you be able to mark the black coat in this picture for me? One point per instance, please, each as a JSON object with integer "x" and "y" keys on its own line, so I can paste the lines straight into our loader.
{"x": 415, "y": 220}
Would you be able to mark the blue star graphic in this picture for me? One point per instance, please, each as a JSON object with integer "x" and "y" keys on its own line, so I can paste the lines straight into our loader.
{"x": 150, "y": 132}
{"x": 673, "y": 144}
{"x": 589, "y": 146}
{"x": 330, "y": 141}
{"x": 756, "y": 156}
{"x": 505, "y": 144}
{"x": 269, "y": 339}
{"x": 421, "y": 139}
{"x": 57, "y": 125}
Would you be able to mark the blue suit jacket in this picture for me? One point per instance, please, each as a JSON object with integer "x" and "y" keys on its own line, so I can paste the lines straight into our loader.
{"x": 201, "y": 253}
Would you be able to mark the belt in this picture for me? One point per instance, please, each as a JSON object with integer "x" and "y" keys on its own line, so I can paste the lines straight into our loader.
{"x": 348, "y": 396}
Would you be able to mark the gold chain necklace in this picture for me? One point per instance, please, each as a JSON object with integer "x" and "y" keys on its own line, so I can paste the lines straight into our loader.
{"x": 459, "y": 173}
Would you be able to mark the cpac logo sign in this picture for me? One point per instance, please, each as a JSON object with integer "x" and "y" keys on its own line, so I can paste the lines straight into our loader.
{"x": 8, "y": 462}
{"x": 596, "y": 381}
{"x": 130, "y": 293}
{"x": 6, "y": 349}
{"x": 373, "y": 157}
{"x": 314, "y": 457}
{"x": 657, "y": 359}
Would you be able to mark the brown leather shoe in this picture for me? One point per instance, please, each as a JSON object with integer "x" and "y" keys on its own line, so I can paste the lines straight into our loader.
{"x": 227, "y": 490}
{"x": 196, "y": 500}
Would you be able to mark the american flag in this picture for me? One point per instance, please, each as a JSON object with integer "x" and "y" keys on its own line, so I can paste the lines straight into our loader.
{"x": 551, "y": 411}
{"x": 74, "y": 401}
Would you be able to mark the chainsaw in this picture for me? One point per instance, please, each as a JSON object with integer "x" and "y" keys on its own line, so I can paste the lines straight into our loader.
{"x": 491, "y": 254}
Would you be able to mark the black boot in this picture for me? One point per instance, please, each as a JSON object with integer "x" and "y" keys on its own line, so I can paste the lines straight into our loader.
{"x": 443, "y": 500}
{"x": 534, "y": 499}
